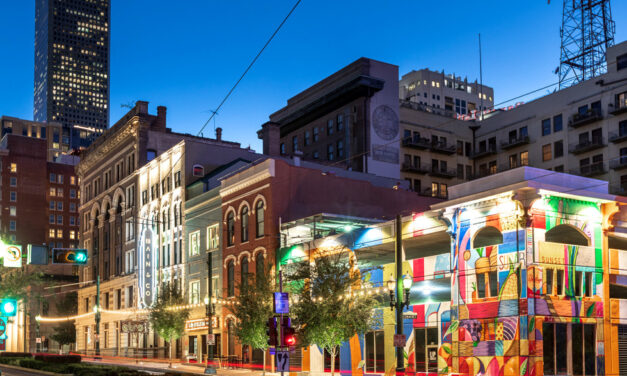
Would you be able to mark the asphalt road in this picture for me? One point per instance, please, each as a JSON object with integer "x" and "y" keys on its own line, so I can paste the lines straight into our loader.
{"x": 11, "y": 372}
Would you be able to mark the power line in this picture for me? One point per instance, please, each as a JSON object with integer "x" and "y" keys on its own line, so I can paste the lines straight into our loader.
{"x": 250, "y": 65}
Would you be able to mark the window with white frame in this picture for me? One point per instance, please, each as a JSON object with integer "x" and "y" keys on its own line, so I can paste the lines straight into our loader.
{"x": 129, "y": 261}
{"x": 130, "y": 196}
{"x": 213, "y": 239}
{"x": 194, "y": 243}
{"x": 194, "y": 292}
{"x": 130, "y": 229}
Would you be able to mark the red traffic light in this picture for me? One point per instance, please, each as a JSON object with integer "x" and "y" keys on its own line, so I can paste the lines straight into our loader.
{"x": 289, "y": 337}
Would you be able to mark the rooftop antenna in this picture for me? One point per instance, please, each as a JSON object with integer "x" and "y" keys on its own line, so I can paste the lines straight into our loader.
{"x": 586, "y": 33}
{"x": 130, "y": 104}
{"x": 215, "y": 113}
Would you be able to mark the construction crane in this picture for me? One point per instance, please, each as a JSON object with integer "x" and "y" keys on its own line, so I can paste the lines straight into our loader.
{"x": 586, "y": 33}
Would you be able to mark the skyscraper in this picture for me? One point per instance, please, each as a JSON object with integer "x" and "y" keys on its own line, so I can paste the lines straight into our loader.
{"x": 72, "y": 67}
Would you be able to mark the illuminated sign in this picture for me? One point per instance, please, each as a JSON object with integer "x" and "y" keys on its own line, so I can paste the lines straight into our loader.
{"x": 200, "y": 324}
{"x": 135, "y": 326}
{"x": 11, "y": 255}
{"x": 147, "y": 268}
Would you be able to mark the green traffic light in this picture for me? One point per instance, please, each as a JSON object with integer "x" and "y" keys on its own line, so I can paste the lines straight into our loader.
{"x": 8, "y": 307}
{"x": 80, "y": 257}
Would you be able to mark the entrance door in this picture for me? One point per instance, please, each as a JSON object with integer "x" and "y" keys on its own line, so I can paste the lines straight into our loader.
{"x": 432, "y": 359}
{"x": 622, "y": 349}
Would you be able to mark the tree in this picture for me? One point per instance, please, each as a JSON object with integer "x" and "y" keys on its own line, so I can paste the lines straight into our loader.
{"x": 327, "y": 313}
{"x": 252, "y": 310}
{"x": 65, "y": 333}
{"x": 166, "y": 316}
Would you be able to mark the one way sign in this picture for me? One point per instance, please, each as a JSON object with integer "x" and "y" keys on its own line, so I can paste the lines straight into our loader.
{"x": 282, "y": 361}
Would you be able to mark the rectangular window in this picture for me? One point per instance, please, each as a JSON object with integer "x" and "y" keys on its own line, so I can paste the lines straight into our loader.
{"x": 494, "y": 283}
{"x": 194, "y": 243}
{"x": 316, "y": 134}
{"x": 548, "y": 281}
{"x": 12, "y": 211}
{"x": 546, "y": 152}
{"x": 340, "y": 122}
{"x": 13, "y": 167}
{"x": 330, "y": 155}
{"x": 72, "y": 193}
{"x": 59, "y": 205}
{"x": 295, "y": 143}
{"x": 621, "y": 62}
{"x": 307, "y": 138}
{"x": 130, "y": 229}
{"x": 524, "y": 158}
{"x": 52, "y": 233}
{"x": 340, "y": 149}
{"x": 129, "y": 261}
{"x": 481, "y": 292}
{"x": 560, "y": 282}
{"x": 72, "y": 235}
{"x": 588, "y": 284}
{"x": 60, "y": 179}
{"x": 13, "y": 181}
{"x": 144, "y": 197}
{"x": 12, "y": 225}
{"x": 557, "y": 123}
{"x": 546, "y": 127}
{"x": 51, "y": 219}
{"x": 194, "y": 292}
{"x": 72, "y": 207}
{"x": 130, "y": 196}
{"x": 59, "y": 219}
{"x": 375, "y": 351}
{"x": 213, "y": 240}
{"x": 13, "y": 196}
{"x": 329, "y": 127}
{"x": 72, "y": 221}
{"x": 53, "y": 191}
{"x": 558, "y": 147}
{"x": 59, "y": 192}
{"x": 59, "y": 234}
{"x": 73, "y": 180}
{"x": 53, "y": 205}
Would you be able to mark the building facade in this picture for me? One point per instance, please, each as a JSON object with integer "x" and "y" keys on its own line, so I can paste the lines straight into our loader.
{"x": 51, "y": 132}
{"x": 72, "y": 68}
{"x": 445, "y": 93}
{"x": 256, "y": 200}
{"x": 133, "y": 182}
{"x": 509, "y": 277}
{"x": 349, "y": 119}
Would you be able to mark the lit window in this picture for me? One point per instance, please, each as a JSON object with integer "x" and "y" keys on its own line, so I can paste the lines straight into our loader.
{"x": 194, "y": 292}
{"x": 59, "y": 192}
{"x": 73, "y": 180}
{"x": 13, "y": 167}
{"x": 51, "y": 233}
{"x": 546, "y": 152}
{"x": 194, "y": 243}
{"x": 213, "y": 237}
{"x": 72, "y": 235}
{"x": 12, "y": 211}
{"x": 53, "y": 192}
{"x": 60, "y": 179}
{"x": 59, "y": 233}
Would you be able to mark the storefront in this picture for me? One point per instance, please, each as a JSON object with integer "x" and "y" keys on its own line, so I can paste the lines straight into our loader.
{"x": 196, "y": 339}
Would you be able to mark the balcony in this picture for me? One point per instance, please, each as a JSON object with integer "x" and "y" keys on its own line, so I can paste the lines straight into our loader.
{"x": 618, "y": 137}
{"x": 490, "y": 150}
{"x": 442, "y": 147}
{"x": 618, "y": 163}
{"x": 428, "y": 193}
{"x": 417, "y": 142}
{"x": 587, "y": 145}
{"x": 410, "y": 167}
{"x": 618, "y": 107}
{"x": 443, "y": 173}
{"x": 513, "y": 142}
{"x": 596, "y": 168}
{"x": 581, "y": 119}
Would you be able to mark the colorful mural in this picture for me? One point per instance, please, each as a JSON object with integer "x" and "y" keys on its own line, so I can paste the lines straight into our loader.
{"x": 506, "y": 276}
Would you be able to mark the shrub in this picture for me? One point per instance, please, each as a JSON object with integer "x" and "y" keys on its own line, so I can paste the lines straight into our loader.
{"x": 54, "y": 358}
{"x": 15, "y": 355}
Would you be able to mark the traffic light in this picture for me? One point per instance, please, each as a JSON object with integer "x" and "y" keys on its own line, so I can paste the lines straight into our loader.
{"x": 288, "y": 334}
{"x": 8, "y": 307}
{"x": 271, "y": 332}
{"x": 69, "y": 256}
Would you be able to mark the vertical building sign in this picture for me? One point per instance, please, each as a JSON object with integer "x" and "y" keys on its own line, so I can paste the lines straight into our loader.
{"x": 147, "y": 268}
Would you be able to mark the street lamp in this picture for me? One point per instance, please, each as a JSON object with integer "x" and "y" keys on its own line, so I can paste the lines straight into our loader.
{"x": 210, "y": 310}
{"x": 407, "y": 282}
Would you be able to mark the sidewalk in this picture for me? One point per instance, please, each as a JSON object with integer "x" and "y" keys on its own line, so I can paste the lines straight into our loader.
{"x": 192, "y": 368}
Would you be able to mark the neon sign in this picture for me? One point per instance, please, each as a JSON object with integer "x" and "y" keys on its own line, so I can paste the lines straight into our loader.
{"x": 147, "y": 268}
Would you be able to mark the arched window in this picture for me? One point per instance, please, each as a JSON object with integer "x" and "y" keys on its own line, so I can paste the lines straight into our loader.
{"x": 259, "y": 219}
{"x": 230, "y": 281}
{"x": 244, "y": 223}
{"x": 230, "y": 229}
{"x": 487, "y": 236}
{"x": 244, "y": 271}
{"x": 259, "y": 266}
{"x": 566, "y": 234}
{"x": 198, "y": 170}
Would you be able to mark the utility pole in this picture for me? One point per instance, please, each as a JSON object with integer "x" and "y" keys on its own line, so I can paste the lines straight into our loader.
{"x": 97, "y": 317}
{"x": 400, "y": 357}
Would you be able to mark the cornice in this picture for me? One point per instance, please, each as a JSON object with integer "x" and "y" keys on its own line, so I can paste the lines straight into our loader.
{"x": 95, "y": 156}
{"x": 245, "y": 183}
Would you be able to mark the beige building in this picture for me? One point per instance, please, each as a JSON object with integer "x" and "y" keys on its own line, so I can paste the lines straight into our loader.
{"x": 132, "y": 182}
{"x": 581, "y": 130}
{"x": 444, "y": 93}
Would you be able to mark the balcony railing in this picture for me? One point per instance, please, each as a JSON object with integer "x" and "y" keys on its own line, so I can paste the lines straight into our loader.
{"x": 618, "y": 163}
{"x": 581, "y": 119}
{"x": 417, "y": 142}
{"x": 410, "y": 167}
{"x": 596, "y": 168}
{"x": 483, "y": 152}
{"x": 428, "y": 193}
{"x": 513, "y": 142}
{"x": 443, "y": 147}
{"x": 443, "y": 172}
{"x": 426, "y": 108}
{"x": 618, "y": 137}
{"x": 587, "y": 145}
{"x": 617, "y": 107}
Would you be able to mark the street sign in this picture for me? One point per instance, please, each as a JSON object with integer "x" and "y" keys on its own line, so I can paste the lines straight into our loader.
{"x": 399, "y": 340}
{"x": 283, "y": 361}
{"x": 38, "y": 340}
{"x": 12, "y": 255}
{"x": 408, "y": 315}
{"x": 281, "y": 303}
{"x": 3, "y": 326}
{"x": 37, "y": 255}
{"x": 211, "y": 339}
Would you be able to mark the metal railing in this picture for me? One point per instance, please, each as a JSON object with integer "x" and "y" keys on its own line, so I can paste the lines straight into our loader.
{"x": 583, "y": 146}
{"x": 515, "y": 141}
{"x": 579, "y": 119}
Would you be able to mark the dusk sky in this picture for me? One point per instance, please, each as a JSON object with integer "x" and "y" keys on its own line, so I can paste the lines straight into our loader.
{"x": 186, "y": 55}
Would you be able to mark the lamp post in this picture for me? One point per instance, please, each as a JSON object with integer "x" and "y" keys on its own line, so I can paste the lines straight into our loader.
{"x": 209, "y": 369}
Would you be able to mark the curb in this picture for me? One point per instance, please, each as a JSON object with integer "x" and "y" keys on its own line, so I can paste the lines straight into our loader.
{"x": 138, "y": 367}
{"x": 34, "y": 371}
